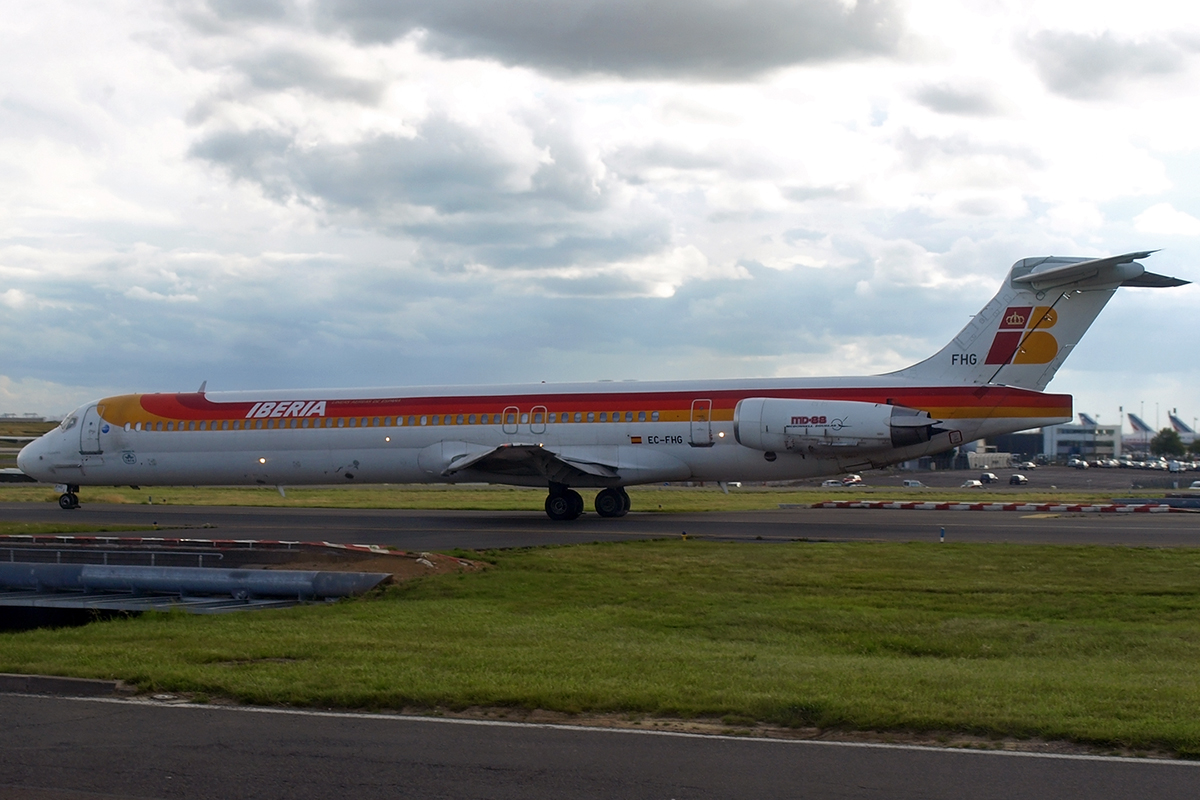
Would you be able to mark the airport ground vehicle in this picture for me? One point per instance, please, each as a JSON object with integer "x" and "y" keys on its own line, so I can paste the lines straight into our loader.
{"x": 832, "y": 483}
{"x": 1017, "y": 479}
{"x": 988, "y": 477}
{"x": 987, "y": 380}
{"x": 971, "y": 484}
{"x": 910, "y": 484}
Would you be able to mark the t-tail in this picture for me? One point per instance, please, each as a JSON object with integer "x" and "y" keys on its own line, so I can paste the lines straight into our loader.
{"x": 1029, "y": 328}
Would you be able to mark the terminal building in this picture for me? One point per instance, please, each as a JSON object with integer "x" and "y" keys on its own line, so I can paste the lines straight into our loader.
{"x": 1089, "y": 440}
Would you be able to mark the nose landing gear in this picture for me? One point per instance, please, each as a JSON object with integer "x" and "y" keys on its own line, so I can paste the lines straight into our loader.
{"x": 69, "y": 499}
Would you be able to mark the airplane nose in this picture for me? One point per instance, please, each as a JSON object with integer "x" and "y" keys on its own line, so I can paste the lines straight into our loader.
{"x": 27, "y": 459}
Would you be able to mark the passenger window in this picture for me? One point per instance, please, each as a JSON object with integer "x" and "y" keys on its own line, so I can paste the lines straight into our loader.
{"x": 258, "y": 424}
{"x": 458, "y": 420}
{"x": 641, "y": 416}
{"x": 341, "y": 423}
{"x": 512, "y": 419}
{"x": 578, "y": 416}
{"x": 604, "y": 416}
{"x": 553, "y": 417}
{"x": 375, "y": 422}
{"x": 524, "y": 418}
{"x": 629, "y": 416}
{"x": 654, "y": 416}
{"x": 191, "y": 426}
{"x": 537, "y": 418}
{"x": 591, "y": 416}
{"x": 158, "y": 426}
{"x": 471, "y": 419}
{"x": 424, "y": 420}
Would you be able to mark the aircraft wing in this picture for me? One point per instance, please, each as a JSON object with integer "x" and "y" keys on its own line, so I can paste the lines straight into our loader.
{"x": 528, "y": 459}
{"x": 583, "y": 465}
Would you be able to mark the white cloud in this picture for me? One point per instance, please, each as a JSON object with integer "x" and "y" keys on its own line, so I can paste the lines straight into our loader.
{"x": 293, "y": 193}
{"x": 1165, "y": 219}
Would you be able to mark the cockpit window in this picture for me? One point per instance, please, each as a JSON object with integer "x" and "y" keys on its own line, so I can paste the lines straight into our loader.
{"x": 68, "y": 422}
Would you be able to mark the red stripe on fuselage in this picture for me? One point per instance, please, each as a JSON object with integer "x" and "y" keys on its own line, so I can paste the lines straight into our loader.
{"x": 194, "y": 406}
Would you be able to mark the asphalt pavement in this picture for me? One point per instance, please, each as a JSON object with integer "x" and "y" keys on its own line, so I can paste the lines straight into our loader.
{"x": 441, "y": 530}
{"x": 88, "y": 749}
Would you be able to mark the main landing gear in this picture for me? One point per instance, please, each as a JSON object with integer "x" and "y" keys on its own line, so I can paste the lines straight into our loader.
{"x": 564, "y": 503}
{"x": 69, "y": 499}
{"x": 613, "y": 502}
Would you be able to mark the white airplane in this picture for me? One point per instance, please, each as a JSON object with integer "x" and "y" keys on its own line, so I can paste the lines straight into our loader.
{"x": 988, "y": 380}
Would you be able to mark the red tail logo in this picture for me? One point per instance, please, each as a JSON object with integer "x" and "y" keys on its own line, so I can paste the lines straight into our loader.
{"x": 1022, "y": 337}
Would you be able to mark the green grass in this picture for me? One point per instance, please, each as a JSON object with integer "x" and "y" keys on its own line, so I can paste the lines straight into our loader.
{"x": 1091, "y": 644}
{"x": 39, "y": 528}
{"x": 676, "y": 499}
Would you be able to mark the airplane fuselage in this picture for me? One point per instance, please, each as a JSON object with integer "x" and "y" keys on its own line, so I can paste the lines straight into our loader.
{"x": 640, "y": 432}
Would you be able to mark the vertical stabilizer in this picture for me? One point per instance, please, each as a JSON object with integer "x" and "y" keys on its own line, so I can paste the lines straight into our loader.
{"x": 1029, "y": 328}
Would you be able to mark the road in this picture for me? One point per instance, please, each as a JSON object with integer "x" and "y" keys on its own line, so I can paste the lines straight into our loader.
{"x": 440, "y": 530}
{"x": 64, "y": 749}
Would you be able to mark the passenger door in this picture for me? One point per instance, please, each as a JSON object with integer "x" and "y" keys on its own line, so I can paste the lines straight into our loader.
{"x": 701, "y": 423}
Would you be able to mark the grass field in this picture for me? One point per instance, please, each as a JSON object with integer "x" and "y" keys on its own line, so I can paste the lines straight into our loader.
{"x": 508, "y": 498}
{"x": 1090, "y": 644}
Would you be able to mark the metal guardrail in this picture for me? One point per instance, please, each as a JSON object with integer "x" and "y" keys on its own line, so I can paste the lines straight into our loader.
{"x": 187, "y": 581}
{"x": 129, "y": 557}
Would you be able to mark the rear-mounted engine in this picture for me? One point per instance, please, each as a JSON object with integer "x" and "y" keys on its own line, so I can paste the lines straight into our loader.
{"x": 828, "y": 428}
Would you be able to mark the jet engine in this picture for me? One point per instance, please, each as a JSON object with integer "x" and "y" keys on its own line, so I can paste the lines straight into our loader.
{"x": 828, "y": 428}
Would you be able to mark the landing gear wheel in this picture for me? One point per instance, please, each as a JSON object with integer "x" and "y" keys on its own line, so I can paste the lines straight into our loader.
{"x": 576, "y": 503}
{"x": 68, "y": 501}
{"x": 628, "y": 502}
{"x": 612, "y": 503}
{"x": 563, "y": 503}
{"x": 559, "y": 507}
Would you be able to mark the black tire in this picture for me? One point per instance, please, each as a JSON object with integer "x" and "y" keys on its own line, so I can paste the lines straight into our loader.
{"x": 609, "y": 503}
{"x": 68, "y": 501}
{"x": 576, "y": 503}
{"x": 628, "y": 502}
{"x": 559, "y": 507}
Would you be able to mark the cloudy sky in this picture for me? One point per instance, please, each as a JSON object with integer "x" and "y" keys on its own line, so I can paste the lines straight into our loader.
{"x": 315, "y": 193}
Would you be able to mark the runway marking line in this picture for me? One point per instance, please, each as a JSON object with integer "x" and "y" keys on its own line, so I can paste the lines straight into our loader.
{"x": 1103, "y": 508}
{"x": 594, "y": 729}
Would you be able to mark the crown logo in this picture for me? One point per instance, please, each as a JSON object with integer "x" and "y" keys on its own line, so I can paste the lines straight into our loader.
{"x": 1014, "y": 319}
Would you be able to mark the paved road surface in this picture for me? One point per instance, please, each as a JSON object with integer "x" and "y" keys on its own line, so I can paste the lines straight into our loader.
{"x": 439, "y": 530}
{"x": 62, "y": 749}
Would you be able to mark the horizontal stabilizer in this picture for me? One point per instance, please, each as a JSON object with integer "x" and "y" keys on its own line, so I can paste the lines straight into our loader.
{"x": 1150, "y": 280}
{"x": 1052, "y": 272}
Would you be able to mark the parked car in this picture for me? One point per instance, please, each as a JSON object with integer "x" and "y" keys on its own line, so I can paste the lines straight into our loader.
{"x": 971, "y": 484}
{"x": 1195, "y": 485}
{"x": 852, "y": 480}
{"x": 1077, "y": 463}
{"x": 831, "y": 484}
{"x": 910, "y": 484}
{"x": 1017, "y": 479}
{"x": 1027, "y": 465}
{"x": 988, "y": 477}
